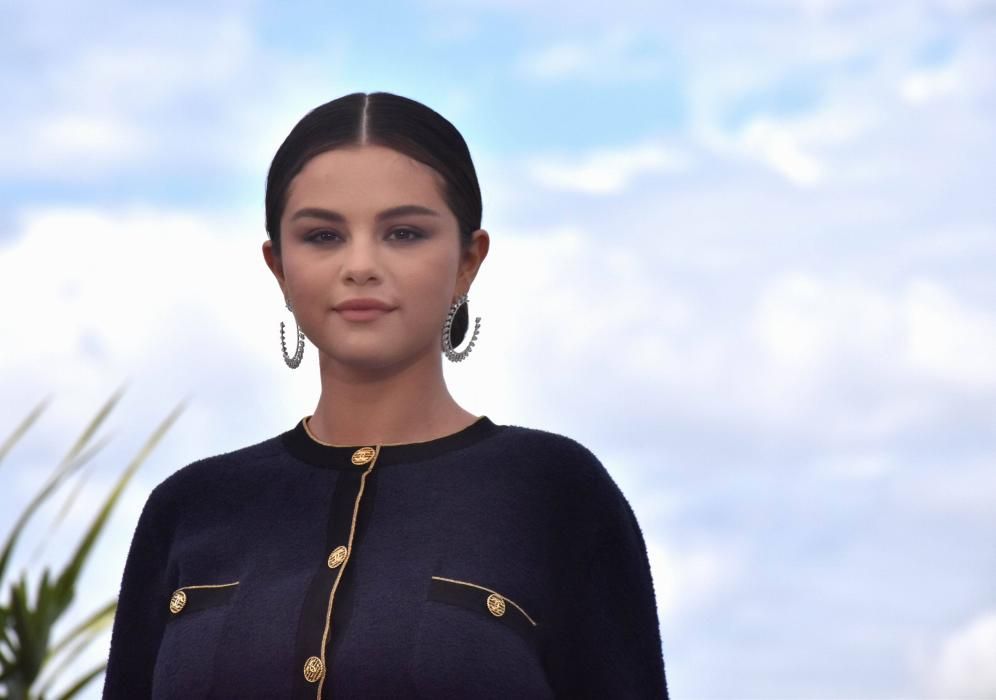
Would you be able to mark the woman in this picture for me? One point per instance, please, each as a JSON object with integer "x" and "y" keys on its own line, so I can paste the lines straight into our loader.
{"x": 392, "y": 544}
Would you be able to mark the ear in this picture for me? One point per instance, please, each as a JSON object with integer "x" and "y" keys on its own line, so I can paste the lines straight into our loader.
{"x": 472, "y": 259}
{"x": 275, "y": 264}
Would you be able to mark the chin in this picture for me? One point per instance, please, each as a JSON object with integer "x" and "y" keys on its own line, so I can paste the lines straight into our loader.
{"x": 364, "y": 355}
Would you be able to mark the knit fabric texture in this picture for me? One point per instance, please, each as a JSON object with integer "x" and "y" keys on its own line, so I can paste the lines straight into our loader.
{"x": 499, "y": 561}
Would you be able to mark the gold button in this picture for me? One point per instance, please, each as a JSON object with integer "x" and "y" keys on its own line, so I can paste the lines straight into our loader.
{"x": 496, "y": 605}
{"x": 313, "y": 669}
{"x": 363, "y": 455}
{"x": 337, "y": 556}
{"x": 177, "y": 601}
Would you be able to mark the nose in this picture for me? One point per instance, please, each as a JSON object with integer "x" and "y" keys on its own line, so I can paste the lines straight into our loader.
{"x": 360, "y": 262}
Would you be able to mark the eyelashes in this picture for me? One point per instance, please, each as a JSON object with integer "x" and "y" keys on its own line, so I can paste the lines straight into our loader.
{"x": 413, "y": 235}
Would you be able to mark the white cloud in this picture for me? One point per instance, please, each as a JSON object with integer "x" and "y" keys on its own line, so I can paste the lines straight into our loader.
{"x": 968, "y": 7}
{"x": 964, "y": 76}
{"x": 801, "y": 148}
{"x": 75, "y": 137}
{"x": 810, "y": 355}
{"x": 812, "y": 325}
{"x": 923, "y": 85}
{"x": 776, "y": 146}
{"x": 964, "y": 665}
{"x": 947, "y": 340}
{"x": 859, "y": 466}
{"x": 557, "y": 61}
{"x": 614, "y": 53}
{"x": 163, "y": 296}
{"x": 806, "y": 324}
{"x": 605, "y": 170}
{"x": 180, "y": 87}
{"x": 111, "y": 96}
{"x": 687, "y": 580}
{"x": 963, "y": 493}
{"x": 861, "y": 359}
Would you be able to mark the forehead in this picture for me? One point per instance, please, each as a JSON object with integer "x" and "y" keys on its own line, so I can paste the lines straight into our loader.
{"x": 360, "y": 177}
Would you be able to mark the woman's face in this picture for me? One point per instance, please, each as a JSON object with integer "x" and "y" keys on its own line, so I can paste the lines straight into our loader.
{"x": 339, "y": 241}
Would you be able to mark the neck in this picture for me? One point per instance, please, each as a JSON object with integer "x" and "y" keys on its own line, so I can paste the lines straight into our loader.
{"x": 383, "y": 405}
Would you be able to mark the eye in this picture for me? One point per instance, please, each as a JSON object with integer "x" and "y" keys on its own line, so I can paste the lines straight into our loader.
{"x": 317, "y": 236}
{"x": 326, "y": 235}
{"x": 415, "y": 234}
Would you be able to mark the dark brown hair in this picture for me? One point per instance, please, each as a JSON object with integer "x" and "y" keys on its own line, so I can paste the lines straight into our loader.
{"x": 383, "y": 119}
{"x": 393, "y": 121}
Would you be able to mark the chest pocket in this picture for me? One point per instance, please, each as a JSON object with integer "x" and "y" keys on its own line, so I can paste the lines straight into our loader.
{"x": 189, "y": 599}
{"x": 197, "y": 615}
{"x": 473, "y": 641}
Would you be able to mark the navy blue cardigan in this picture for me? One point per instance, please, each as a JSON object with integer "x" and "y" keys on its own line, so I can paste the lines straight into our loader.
{"x": 495, "y": 562}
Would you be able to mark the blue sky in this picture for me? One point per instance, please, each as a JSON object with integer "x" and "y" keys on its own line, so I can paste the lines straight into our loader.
{"x": 743, "y": 252}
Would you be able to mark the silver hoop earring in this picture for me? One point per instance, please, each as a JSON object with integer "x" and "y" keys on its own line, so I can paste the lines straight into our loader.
{"x": 451, "y": 354}
{"x": 292, "y": 362}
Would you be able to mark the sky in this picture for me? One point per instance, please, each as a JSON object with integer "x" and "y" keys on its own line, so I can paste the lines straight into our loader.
{"x": 743, "y": 251}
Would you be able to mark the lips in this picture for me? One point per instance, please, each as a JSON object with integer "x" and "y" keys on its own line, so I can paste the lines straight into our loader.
{"x": 366, "y": 314}
{"x": 363, "y": 304}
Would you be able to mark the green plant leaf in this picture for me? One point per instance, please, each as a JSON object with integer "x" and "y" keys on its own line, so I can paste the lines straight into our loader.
{"x": 67, "y": 579}
{"x": 26, "y": 625}
{"x": 84, "y": 640}
{"x": 29, "y": 649}
{"x": 94, "y": 424}
{"x": 69, "y": 463}
{"x": 82, "y": 458}
{"x": 21, "y": 429}
{"x": 95, "y": 622}
{"x": 82, "y": 682}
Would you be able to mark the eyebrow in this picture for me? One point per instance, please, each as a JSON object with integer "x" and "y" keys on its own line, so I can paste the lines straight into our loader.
{"x": 329, "y": 215}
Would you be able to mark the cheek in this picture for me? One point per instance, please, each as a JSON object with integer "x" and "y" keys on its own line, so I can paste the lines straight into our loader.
{"x": 308, "y": 284}
{"x": 426, "y": 303}
{"x": 427, "y": 294}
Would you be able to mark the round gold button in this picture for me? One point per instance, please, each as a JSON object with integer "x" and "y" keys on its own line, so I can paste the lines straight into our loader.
{"x": 363, "y": 455}
{"x": 313, "y": 669}
{"x": 177, "y": 601}
{"x": 496, "y": 605}
{"x": 337, "y": 556}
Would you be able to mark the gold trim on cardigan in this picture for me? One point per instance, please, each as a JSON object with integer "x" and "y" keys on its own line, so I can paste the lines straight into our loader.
{"x": 492, "y": 592}
{"x": 178, "y": 600}
{"x": 342, "y": 567}
{"x": 304, "y": 422}
{"x": 208, "y": 585}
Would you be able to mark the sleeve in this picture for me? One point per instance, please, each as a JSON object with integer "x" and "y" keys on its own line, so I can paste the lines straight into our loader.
{"x": 142, "y": 608}
{"x": 605, "y": 636}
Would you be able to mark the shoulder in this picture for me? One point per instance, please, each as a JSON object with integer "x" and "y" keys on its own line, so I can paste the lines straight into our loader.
{"x": 581, "y": 493}
{"x": 204, "y": 474}
{"x": 571, "y": 466}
